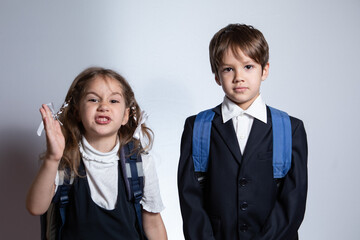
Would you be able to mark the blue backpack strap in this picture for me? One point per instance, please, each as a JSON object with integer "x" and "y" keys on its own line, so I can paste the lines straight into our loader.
{"x": 64, "y": 197}
{"x": 282, "y": 142}
{"x": 50, "y": 225}
{"x": 131, "y": 164}
{"x": 201, "y": 140}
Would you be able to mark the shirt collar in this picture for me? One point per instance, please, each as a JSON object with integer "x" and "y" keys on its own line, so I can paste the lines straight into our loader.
{"x": 257, "y": 109}
{"x": 91, "y": 154}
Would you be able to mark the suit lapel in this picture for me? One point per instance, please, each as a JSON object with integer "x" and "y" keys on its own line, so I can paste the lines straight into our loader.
{"x": 259, "y": 131}
{"x": 227, "y": 133}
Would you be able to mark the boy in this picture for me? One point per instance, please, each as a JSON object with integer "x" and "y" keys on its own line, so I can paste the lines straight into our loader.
{"x": 240, "y": 198}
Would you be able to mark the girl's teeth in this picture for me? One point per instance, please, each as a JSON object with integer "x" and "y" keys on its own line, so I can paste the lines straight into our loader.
{"x": 103, "y": 119}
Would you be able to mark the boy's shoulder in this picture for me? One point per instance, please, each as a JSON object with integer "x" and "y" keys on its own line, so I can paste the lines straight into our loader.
{"x": 216, "y": 110}
{"x": 295, "y": 122}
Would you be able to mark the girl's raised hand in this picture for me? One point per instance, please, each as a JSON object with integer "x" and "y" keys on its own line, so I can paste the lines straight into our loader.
{"x": 55, "y": 140}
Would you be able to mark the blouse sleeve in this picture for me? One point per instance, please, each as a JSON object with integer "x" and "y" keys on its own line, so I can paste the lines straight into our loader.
{"x": 57, "y": 180}
{"x": 151, "y": 200}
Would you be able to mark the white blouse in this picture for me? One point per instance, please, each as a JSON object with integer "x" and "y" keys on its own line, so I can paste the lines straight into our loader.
{"x": 102, "y": 174}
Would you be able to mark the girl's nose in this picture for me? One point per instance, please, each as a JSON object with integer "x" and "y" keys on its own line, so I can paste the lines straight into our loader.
{"x": 103, "y": 106}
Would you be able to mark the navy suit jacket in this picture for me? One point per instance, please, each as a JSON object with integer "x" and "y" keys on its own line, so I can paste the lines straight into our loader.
{"x": 241, "y": 199}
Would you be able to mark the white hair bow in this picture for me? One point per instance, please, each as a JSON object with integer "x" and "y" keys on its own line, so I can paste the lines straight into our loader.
{"x": 138, "y": 134}
{"x": 54, "y": 114}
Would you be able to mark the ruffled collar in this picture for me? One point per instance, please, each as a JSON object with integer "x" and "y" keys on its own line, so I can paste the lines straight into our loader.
{"x": 91, "y": 154}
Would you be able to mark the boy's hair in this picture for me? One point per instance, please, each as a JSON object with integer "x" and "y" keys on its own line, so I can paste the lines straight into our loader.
{"x": 238, "y": 36}
{"x": 73, "y": 129}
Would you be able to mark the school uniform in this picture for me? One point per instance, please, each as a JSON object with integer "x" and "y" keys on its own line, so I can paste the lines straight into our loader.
{"x": 98, "y": 207}
{"x": 240, "y": 198}
{"x": 87, "y": 220}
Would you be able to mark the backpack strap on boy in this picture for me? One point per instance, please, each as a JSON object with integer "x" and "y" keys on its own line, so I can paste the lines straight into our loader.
{"x": 201, "y": 143}
{"x": 282, "y": 142}
{"x": 132, "y": 168}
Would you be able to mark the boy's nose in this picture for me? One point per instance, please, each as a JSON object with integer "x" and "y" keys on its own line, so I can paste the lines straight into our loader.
{"x": 238, "y": 76}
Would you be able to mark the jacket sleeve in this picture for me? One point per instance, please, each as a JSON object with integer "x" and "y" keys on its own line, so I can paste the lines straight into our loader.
{"x": 196, "y": 223}
{"x": 289, "y": 207}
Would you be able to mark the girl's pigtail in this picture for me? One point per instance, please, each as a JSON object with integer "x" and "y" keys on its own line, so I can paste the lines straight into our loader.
{"x": 141, "y": 133}
{"x": 72, "y": 134}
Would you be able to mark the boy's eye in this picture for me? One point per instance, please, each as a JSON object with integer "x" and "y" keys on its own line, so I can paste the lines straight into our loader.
{"x": 114, "y": 101}
{"x": 248, "y": 67}
{"x": 93, "y": 100}
{"x": 228, "y": 69}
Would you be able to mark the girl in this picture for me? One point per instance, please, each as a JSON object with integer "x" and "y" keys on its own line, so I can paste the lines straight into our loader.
{"x": 99, "y": 118}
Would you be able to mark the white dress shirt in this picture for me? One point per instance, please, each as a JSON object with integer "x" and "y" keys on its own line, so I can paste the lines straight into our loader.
{"x": 102, "y": 174}
{"x": 243, "y": 119}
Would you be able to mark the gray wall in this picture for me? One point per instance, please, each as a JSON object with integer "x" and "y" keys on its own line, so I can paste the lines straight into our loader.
{"x": 161, "y": 48}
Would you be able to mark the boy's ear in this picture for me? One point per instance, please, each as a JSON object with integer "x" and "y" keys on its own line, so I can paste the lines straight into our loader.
{"x": 265, "y": 71}
{"x": 217, "y": 80}
{"x": 126, "y": 117}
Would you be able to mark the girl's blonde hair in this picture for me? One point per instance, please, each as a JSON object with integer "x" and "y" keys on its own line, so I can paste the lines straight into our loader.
{"x": 73, "y": 129}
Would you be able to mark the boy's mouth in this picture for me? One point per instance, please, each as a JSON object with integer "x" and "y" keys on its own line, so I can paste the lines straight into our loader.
{"x": 102, "y": 119}
{"x": 240, "y": 89}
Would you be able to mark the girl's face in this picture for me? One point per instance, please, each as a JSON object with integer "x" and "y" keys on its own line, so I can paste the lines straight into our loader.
{"x": 102, "y": 110}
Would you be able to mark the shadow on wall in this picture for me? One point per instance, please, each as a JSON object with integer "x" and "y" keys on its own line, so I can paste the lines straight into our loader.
{"x": 19, "y": 151}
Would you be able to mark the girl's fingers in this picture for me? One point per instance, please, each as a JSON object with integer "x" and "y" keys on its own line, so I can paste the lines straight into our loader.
{"x": 43, "y": 112}
{"x": 48, "y": 111}
{"x": 57, "y": 126}
{"x": 54, "y": 136}
{"x": 47, "y": 118}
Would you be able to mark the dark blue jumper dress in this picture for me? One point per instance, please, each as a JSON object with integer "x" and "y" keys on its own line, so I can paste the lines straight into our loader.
{"x": 86, "y": 220}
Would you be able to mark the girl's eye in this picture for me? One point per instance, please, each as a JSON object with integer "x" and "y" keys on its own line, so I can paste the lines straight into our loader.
{"x": 114, "y": 101}
{"x": 248, "y": 67}
{"x": 93, "y": 100}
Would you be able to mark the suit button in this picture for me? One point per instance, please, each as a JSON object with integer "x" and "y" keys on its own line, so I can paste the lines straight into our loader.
{"x": 244, "y": 228}
{"x": 243, "y": 182}
{"x": 244, "y": 206}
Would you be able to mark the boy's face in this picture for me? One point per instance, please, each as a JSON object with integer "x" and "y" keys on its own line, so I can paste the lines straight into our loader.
{"x": 241, "y": 77}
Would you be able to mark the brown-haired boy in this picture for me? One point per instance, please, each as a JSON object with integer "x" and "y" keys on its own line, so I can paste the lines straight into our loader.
{"x": 240, "y": 198}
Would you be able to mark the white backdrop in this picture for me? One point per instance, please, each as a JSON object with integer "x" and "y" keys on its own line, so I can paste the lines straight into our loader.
{"x": 161, "y": 47}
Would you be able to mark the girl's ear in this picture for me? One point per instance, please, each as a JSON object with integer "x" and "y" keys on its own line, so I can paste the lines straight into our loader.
{"x": 126, "y": 116}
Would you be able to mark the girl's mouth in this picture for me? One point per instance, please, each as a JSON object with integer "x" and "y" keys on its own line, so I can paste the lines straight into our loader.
{"x": 102, "y": 120}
